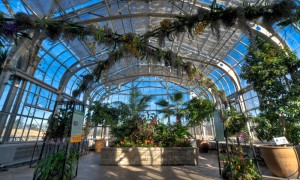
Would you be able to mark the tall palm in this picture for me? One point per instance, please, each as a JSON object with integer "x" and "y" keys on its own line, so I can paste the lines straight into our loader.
{"x": 173, "y": 107}
{"x": 138, "y": 102}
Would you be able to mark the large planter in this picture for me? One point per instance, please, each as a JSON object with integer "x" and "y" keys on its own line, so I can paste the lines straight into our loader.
{"x": 99, "y": 144}
{"x": 281, "y": 161}
{"x": 202, "y": 145}
{"x": 137, "y": 156}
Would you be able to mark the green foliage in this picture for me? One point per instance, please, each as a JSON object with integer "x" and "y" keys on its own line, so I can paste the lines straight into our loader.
{"x": 102, "y": 114}
{"x": 234, "y": 122}
{"x": 199, "y": 110}
{"x": 174, "y": 107}
{"x": 265, "y": 129}
{"x": 241, "y": 167}
{"x": 151, "y": 134}
{"x": 59, "y": 125}
{"x": 51, "y": 167}
{"x": 175, "y": 135}
{"x": 138, "y": 102}
{"x": 274, "y": 74}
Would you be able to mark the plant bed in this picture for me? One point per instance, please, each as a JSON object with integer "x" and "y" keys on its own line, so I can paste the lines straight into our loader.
{"x": 137, "y": 156}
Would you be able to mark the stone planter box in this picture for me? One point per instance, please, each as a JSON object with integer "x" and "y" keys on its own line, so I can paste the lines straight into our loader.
{"x": 138, "y": 156}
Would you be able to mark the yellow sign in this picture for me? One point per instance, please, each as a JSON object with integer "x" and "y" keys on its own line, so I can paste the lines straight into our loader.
{"x": 75, "y": 138}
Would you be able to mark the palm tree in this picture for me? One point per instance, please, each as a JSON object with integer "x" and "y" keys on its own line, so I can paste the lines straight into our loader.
{"x": 176, "y": 107}
{"x": 138, "y": 102}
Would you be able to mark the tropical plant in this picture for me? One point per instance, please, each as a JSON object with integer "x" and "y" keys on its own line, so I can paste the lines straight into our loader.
{"x": 138, "y": 102}
{"x": 56, "y": 166}
{"x": 234, "y": 122}
{"x": 237, "y": 166}
{"x": 128, "y": 116}
{"x": 175, "y": 106}
{"x": 152, "y": 134}
{"x": 172, "y": 135}
{"x": 198, "y": 110}
{"x": 102, "y": 114}
{"x": 274, "y": 74}
{"x": 59, "y": 125}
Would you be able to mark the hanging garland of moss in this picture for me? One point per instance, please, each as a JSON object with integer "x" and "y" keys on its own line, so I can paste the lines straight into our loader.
{"x": 281, "y": 13}
{"x": 208, "y": 83}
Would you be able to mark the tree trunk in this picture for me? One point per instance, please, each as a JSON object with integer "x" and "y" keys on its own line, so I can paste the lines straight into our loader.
{"x": 101, "y": 132}
{"x": 195, "y": 132}
{"x": 178, "y": 118}
{"x": 238, "y": 140}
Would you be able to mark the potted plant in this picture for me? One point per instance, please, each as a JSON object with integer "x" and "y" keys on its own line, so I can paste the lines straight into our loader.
{"x": 198, "y": 111}
{"x": 274, "y": 74}
{"x": 56, "y": 166}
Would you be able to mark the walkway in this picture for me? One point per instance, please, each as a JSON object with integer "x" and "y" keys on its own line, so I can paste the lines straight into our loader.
{"x": 90, "y": 169}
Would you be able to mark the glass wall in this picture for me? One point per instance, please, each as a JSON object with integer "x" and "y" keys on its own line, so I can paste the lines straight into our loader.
{"x": 26, "y": 111}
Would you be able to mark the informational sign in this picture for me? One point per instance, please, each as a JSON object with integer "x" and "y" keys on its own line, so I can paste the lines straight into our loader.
{"x": 77, "y": 124}
{"x": 219, "y": 129}
{"x": 280, "y": 140}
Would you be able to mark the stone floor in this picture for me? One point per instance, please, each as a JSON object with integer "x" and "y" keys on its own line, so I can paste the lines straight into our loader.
{"x": 90, "y": 169}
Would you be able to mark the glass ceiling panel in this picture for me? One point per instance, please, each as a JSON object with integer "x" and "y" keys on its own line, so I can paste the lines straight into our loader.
{"x": 17, "y": 6}
{"x": 236, "y": 55}
{"x": 230, "y": 61}
{"x": 292, "y": 37}
{"x": 230, "y": 84}
{"x": 3, "y": 8}
{"x": 148, "y": 85}
{"x": 74, "y": 81}
{"x": 55, "y": 59}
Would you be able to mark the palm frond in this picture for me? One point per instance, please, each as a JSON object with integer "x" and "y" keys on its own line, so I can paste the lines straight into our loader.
{"x": 162, "y": 103}
{"x": 177, "y": 96}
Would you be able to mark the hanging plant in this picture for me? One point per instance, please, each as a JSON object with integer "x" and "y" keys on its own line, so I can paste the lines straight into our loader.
{"x": 230, "y": 16}
{"x": 24, "y": 21}
{"x": 200, "y": 27}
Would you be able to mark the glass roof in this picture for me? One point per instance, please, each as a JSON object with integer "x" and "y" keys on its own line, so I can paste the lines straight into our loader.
{"x": 59, "y": 67}
{"x": 64, "y": 63}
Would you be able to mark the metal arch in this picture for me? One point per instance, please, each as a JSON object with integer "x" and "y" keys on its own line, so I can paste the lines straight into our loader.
{"x": 130, "y": 16}
{"x": 222, "y": 61}
{"x": 95, "y": 85}
{"x": 227, "y": 69}
{"x": 104, "y": 95}
{"x": 73, "y": 69}
{"x": 102, "y": 4}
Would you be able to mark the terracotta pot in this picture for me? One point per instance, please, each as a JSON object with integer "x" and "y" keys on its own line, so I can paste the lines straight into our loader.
{"x": 202, "y": 145}
{"x": 281, "y": 161}
{"x": 99, "y": 144}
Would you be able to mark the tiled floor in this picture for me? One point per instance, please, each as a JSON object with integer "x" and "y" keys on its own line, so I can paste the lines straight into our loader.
{"x": 90, "y": 169}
